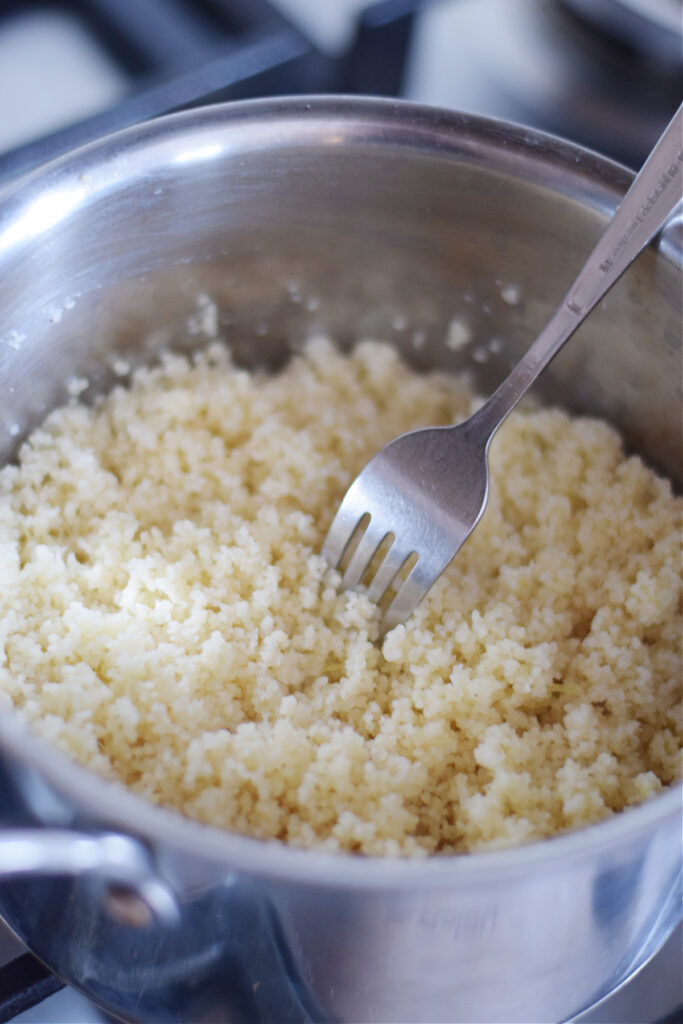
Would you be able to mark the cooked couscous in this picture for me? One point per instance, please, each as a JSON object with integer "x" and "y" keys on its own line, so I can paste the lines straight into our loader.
{"x": 166, "y": 619}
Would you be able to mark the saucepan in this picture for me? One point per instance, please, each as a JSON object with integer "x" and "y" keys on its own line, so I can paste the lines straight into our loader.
{"x": 359, "y": 218}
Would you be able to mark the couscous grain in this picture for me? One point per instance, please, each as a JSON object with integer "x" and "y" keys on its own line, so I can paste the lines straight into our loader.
{"x": 166, "y": 620}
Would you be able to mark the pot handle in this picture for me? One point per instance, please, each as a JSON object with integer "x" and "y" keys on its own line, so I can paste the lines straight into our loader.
{"x": 120, "y": 862}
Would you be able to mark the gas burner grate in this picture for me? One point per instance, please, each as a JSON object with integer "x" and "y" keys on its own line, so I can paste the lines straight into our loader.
{"x": 24, "y": 983}
{"x": 174, "y": 54}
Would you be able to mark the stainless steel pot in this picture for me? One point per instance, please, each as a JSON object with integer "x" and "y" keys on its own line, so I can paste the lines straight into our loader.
{"x": 359, "y": 217}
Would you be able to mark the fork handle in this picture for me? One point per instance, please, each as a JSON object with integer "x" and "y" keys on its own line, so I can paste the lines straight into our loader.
{"x": 651, "y": 198}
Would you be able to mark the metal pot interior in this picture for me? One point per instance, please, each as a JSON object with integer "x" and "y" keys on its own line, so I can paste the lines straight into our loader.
{"x": 356, "y": 220}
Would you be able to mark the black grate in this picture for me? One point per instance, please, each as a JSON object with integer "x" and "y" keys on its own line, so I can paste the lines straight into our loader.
{"x": 175, "y": 53}
{"x": 24, "y": 982}
{"x": 180, "y": 53}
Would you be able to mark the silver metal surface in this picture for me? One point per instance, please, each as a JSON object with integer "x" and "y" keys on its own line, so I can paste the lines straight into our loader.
{"x": 426, "y": 490}
{"x": 363, "y": 218}
{"x": 117, "y": 860}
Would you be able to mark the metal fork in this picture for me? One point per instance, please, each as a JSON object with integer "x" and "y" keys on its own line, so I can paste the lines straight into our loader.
{"x": 423, "y": 493}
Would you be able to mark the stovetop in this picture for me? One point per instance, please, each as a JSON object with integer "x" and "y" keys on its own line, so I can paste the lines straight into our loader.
{"x": 604, "y": 73}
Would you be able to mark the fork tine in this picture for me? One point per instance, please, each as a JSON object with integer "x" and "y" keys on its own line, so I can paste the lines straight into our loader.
{"x": 340, "y": 533}
{"x": 362, "y": 556}
{"x": 408, "y": 597}
{"x": 349, "y": 514}
{"x": 393, "y": 560}
{"x": 338, "y": 537}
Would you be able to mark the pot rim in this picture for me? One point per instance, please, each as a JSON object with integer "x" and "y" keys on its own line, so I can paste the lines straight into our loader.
{"x": 104, "y": 165}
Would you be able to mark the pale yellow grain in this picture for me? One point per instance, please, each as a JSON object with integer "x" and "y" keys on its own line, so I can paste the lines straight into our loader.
{"x": 165, "y": 617}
